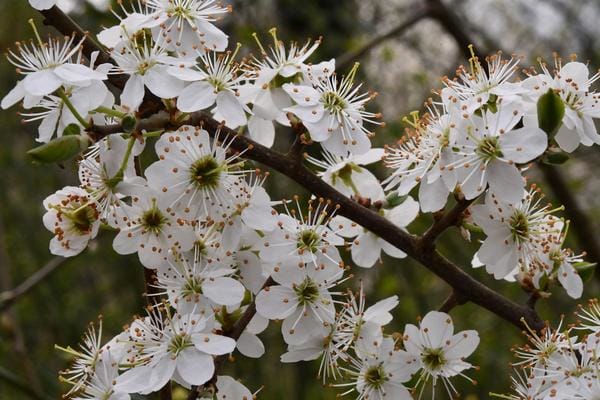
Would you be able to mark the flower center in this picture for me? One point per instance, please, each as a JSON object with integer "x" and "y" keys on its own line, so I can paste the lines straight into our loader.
{"x": 333, "y": 102}
{"x": 489, "y": 148}
{"x": 83, "y": 218}
{"x": 192, "y": 287}
{"x": 375, "y": 376}
{"x": 519, "y": 226}
{"x": 308, "y": 240}
{"x": 433, "y": 359}
{"x": 307, "y": 292}
{"x": 206, "y": 172}
{"x": 153, "y": 220}
{"x": 179, "y": 343}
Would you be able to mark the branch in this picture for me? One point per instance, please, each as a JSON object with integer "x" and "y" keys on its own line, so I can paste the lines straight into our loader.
{"x": 415, "y": 247}
{"x": 8, "y": 297}
{"x": 346, "y": 60}
{"x": 449, "y": 219}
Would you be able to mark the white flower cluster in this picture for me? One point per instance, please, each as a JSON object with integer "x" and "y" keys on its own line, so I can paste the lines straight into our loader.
{"x": 479, "y": 138}
{"x": 561, "y": 364}
{"x": 199, "y": 217}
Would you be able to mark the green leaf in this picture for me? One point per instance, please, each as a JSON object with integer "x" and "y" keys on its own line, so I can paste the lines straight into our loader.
{"x": 551, "y": 110}
{"x": 394, "y": 200}
{"x": 585, "y": 270}
{"x": 60, "y": 149}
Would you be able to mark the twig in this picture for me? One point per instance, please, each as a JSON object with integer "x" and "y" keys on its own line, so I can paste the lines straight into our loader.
{"x": 8, "y": 297}
{"x": 454, "y": 299}
{"x": 347, "y": 59}
{"x": 449, "y": 219}
{"x": 24, "y": 387}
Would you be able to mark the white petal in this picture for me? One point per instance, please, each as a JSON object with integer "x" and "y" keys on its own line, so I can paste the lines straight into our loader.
{"x": 302, "y": 95}
{"x": 524, "y": 144}
{"x": 277, "y": 302}
{"x": 365, "y": 250}
{"x": 162, "y": 84}
{"x": 14, "y": 96}
{"x": 261, "y": 131}
{"x": 570, "y": 280}
{"x": 213, "y": 344}
{"x": 195, "y": 367}
{"x": 250, "y": 345}
{"x": 505, "y": 182}
{"x": 78, "y": 73}
{"x": 462, "y": 345}
{"x": 223, "y": 291}
{"x": 41, "y": 83}
{"x": 133, "y": 93}
{"x": 230, "y": 109}
{"x": 437, "y": 327}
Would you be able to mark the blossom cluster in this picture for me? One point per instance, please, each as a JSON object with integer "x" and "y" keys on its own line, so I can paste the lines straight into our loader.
{"x": 558, "y": 363}
{"x": 198, "y": 216}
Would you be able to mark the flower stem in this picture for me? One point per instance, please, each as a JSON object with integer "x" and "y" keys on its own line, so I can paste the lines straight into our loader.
{"x": 71, "y": 107}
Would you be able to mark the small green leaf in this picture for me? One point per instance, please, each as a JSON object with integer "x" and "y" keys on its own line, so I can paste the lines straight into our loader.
{"x": 551, "y": 110}
{"x": 60, "y": 149}
{"x": 585, "y": 270}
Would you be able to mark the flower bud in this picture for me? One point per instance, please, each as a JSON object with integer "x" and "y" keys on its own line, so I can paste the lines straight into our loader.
{"x": 550, "y": 110}
{"x": 60, "y": 149}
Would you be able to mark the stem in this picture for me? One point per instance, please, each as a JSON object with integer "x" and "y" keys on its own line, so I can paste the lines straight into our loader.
{"x": 110, "y": 112}
{"x": 67, "y": 102}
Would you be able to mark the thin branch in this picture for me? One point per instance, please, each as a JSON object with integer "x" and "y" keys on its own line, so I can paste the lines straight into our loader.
{"x": 449, "y": 219}
{"x": 8, "y": 297}
{"x": 454, "y": 299}
{"x": 346, "y": 60}
{"x": 11, "y": 379}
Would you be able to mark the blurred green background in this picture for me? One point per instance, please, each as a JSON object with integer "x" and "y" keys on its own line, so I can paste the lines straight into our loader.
{"x": 403, "y": 69}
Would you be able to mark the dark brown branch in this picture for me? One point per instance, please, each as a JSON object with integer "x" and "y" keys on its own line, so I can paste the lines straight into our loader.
{"x": 347, "y": 59}
{"x": 449, "y": 219}
{"x": 415, "y": 247}
{"x": 8, "y": 297}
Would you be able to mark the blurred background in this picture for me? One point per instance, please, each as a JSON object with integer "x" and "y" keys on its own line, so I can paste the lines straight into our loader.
{"x": 404, "y": 48}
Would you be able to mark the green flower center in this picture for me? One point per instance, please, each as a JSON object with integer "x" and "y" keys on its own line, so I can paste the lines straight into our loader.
{"x": 433, "y": 359}
{"x": 375, "y": 376}
{"x": 179, "y": 343}
{"x": 206, "y": 172}
{"x": 308, "y": 240}
{"x": 489, "y": 148}
{"x": 307, "y": 292}
{"x": 519, "y": 226}
{"x": 332, "y": 102}
{"x": 192, "y": 287}
{"x": 153, "y": 220}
